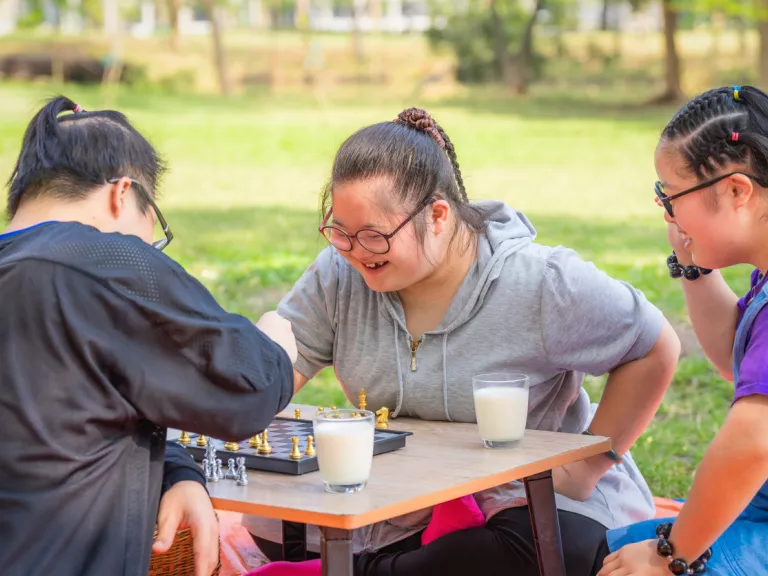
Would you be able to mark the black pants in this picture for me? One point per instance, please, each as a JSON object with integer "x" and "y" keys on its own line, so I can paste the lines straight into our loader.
{"x": 504, "y": 547}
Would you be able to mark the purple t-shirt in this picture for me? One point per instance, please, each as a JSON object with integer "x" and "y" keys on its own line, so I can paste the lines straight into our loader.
{"x": 753, "y": 373}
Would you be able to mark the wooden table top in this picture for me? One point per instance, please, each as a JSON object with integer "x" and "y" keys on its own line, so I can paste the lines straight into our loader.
{"x": 440, "y": 462}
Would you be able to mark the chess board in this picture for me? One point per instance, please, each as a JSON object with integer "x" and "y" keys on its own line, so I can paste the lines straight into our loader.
{"x": 280, "y": 432}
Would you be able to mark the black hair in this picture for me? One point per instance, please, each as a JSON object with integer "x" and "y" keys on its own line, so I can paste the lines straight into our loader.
{"x": 416, "y": 156}
{"x": 723, "y": 125}
{"x": 68, "y": 156}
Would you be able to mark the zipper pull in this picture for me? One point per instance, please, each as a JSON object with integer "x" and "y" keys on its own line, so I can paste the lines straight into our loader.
{"x": 414, "y": 347}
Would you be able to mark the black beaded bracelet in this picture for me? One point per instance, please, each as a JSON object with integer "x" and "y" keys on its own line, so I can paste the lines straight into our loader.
{"x": 677, "y": 270}
{"x": 678, "y": 565}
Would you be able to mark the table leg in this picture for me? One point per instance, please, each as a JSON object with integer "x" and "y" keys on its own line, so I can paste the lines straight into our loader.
{"x": 545, "y": 524}
{"x": 336, "y": 551}
{"x": 294, "y": 541}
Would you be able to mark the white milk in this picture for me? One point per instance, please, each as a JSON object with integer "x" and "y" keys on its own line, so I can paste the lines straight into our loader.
{"x": 502, "y": 413}
{"x": 344, "y": 451}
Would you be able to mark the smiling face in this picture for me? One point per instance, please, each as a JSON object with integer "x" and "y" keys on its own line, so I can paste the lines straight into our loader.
{"x": 358, "y": 206}
{"x": 717, "y": 223}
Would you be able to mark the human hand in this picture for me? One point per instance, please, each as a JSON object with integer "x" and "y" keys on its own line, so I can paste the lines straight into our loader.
{"x": 677, "y": 242}
{"x": 576, "y": 480}
{"x": 638, "y": 559}
{"x": 187, "y": 505}
{"x": 279, "y": 329}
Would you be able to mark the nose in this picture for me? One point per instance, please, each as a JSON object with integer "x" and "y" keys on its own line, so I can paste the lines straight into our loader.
{"x": 357, "y": 250}
{"x": 668, "y": 218}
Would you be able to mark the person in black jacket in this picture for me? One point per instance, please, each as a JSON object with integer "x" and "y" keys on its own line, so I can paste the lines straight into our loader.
{"x": 104, "y": 343}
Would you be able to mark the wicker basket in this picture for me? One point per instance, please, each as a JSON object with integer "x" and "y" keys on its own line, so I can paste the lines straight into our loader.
{"x": 179, "y": 560}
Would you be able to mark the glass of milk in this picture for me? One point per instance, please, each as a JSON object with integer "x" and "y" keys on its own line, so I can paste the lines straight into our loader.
{"x": 344, "y": 443}
{"x": 501, "y": 408}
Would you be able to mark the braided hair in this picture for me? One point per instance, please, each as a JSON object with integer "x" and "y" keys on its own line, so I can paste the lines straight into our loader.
{"x": 418, "y": 159}
{"x": 68, "y": 155}
{"x": 722, "y": 126}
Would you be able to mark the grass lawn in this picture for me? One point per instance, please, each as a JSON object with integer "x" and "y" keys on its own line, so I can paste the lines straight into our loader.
{"x": 242, "y": 197}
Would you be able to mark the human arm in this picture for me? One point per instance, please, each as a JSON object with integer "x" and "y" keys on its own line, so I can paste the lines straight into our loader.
{"x": 712, "y": 308}
{"x": 595, "y": 324}
{"x": 732, "y": 471}
{"x": 185, "y": 504}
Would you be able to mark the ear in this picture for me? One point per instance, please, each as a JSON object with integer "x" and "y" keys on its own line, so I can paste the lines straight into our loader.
{"x": 441, "y": 210}
{"x": 119, "y": 197}
{"x": 740, "y": 190}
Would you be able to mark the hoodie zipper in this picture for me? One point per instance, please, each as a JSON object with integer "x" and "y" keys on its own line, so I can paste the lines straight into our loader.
{"x": 414, "y": 347}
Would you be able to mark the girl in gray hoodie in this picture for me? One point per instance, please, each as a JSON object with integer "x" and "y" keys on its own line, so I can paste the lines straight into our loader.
{"x": 419, "y": 290}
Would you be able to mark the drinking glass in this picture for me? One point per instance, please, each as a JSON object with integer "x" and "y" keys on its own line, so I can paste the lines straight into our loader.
{"x": 501, "y": 408}
{"x": 344, "y": 443}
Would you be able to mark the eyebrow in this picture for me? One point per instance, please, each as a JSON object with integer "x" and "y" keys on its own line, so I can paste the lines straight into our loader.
{"x": 367, "y": 225}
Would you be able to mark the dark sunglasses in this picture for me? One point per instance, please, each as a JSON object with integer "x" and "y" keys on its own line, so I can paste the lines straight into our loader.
{"x": 372, "y": 240}
{"x": 666, "y": 201}
{"x": 160, "y": 244}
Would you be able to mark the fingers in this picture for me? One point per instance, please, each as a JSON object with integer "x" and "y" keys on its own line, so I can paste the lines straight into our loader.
{"x": 205, "y": 543}
{"x": 611, "y": 564}
{"x": 168, "y": 519}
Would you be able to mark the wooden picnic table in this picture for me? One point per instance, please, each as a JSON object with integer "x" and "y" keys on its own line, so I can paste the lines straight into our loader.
{"x": 441, "y": 461}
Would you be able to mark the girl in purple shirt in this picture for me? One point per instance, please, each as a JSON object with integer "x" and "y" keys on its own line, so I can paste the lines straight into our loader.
{"x": 712, "y": 163}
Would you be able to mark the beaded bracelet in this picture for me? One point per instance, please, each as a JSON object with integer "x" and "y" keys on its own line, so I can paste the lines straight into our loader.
{"x": 678, "y": 565}
{"x": 676, "y": 270}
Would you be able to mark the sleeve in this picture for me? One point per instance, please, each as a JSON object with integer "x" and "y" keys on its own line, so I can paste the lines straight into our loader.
{"x": 310, "y": 307}
{"x": 171, "y": 351}
{"x": 753, "y": 372}
{"x": 179, "y": 466}
{"x": 591, "y": 322}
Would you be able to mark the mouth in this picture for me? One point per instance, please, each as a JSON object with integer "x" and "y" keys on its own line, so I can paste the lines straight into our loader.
{"x": 376, "y": 265}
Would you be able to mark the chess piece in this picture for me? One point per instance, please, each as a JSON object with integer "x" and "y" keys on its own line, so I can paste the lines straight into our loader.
{"x": 295, "y": 452}
{"x": 215, "y": 470}
{"x": 356, "y": 415}
{"x": 333, "y": 407}
{"x": 184, "y": 439}
{"x": 240, "y": 463}
{"x": 231, "y": 470}
{"x": 219, "y": 471}
{"x": 310, "y": 451}
{"x": 202, "y": 441}
{"x": 297, "y": 414}
{"x": 382, "y": 418}
{"x": 210, "y": 452}
{"x": 255, "y": 441}
{"x": 265, "y": 448}
{"x": 206, "y": 469}
{"x": 232, "y": 446}
{"x": 321, "y": 409}
{"x": 363, "y": 400}
{"x": 242, "y": 476}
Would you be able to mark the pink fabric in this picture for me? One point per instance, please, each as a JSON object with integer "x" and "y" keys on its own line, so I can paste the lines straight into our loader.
{"x": 459, "y": 514}
{"x": 308, "y": 568}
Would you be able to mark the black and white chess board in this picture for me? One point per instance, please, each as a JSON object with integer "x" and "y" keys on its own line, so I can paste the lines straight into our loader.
{"x": 279, "y": 436}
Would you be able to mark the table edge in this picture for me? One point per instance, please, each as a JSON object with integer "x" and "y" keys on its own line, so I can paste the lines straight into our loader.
{"x": 352, "y": 521}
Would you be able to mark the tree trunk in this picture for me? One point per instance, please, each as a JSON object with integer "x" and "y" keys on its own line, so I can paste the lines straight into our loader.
{"x": 526, "y": 51}
{"x": 762, "y": 55}
{"x": 173, "y": 15}
{"x": 673, "y": 92}
{"x": 604, "y": 15}
{"x": 358, "y": 7}
{"x": 218, "y": 49}
{"x": 501, "y": 48}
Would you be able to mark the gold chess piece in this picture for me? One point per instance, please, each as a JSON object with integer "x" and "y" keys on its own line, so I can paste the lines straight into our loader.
{"x": 363, "y": 400}
{"x": 321, "y": 409}
{"x": 297, "y": 414}
{"x": 295, "y": 452}
{"x": 202, "y": 440}
{"x": 232, "y": 446}
{"x": 255, "y": 441}
{"x": 184, "y": 438}
{"x": 356, "y": 415}
{"x": 310, "y": 451}
{"x": 382, "y": 422}
{"x": 265, "y": 448}
{"x": 333, "y": 407}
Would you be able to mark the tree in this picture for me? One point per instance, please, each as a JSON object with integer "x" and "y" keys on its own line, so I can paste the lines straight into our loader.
{"x": 673, "y": 91}
{"x": 219, "y": 56}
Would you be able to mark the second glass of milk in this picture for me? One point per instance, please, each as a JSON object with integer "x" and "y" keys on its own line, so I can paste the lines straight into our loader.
{"x": 501, "y": 408}
{"x": 344, "y": 441}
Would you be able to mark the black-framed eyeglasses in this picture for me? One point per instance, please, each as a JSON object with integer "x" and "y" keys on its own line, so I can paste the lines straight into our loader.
{"x": 159, "y": 244}
{"x": 666, "y": 201}
{"x": 370, "y": 239}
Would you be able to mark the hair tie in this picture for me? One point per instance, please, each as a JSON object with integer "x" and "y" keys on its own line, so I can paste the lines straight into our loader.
{"x": 736, "y": 92}
{"x": 734, "y": 136}
{"x": 77, "y": 109}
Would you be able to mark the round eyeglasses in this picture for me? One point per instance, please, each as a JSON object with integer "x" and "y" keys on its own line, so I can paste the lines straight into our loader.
{"x": 370, "y": 239}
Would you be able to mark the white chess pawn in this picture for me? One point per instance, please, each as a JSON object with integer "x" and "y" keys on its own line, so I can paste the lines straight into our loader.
{"x": 206, "y": 469}
{"x": 219, "y": 472}
{"x": 231, "y": 470}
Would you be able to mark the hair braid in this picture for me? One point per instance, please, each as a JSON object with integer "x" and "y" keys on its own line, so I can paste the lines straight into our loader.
{"x": 450, "y": 150}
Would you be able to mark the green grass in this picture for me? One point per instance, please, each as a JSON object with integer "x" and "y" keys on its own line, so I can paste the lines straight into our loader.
{"x": 242, "y": 199}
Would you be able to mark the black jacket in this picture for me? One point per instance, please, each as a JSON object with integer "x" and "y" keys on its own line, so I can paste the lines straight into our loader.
{"x": 105, "y": 342}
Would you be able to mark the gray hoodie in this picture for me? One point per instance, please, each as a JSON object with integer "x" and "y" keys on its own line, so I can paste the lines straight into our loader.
{"x": 522, "y": 307}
